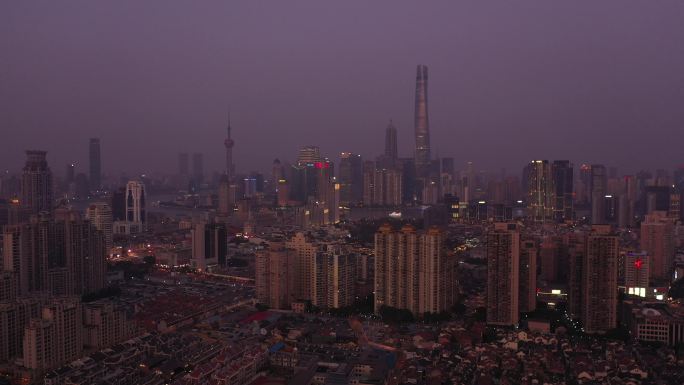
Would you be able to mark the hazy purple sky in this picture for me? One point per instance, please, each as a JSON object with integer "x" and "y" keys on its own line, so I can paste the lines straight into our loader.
{"x": 591, "y": 81}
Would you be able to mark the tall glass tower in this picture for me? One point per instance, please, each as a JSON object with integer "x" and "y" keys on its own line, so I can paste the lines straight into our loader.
{"x": 422, "y": 124}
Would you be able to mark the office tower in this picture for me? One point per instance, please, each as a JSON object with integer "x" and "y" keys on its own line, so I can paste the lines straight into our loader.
{"x": 277, "y": 174}
{"x": 346, "y": 178}
{"x": 183, "y": 163}
{"x": 422, "y": 125}
{"x": 283, "y": 196}
{"x": 368, "y": 183}
{"x": 55, "y": 337}
{"x": 637, "y": 273}
{"x": 540, "y": 198}
{"x": 527, "y": 285}
{"x": 118, "y": 204}
{"x": 309, "y": 154}
{"x": 229, "y": 143}
{"x": 95, "y": 165}
{"x": 70, "y": 174}
{"x": 599, "y": 280}
{"x": 598, "y": 193}
{"x": 198, "y": 168}
{"x": 100, "y": 215}
{"x": 412, "y": 270}
{"x": 225, "y": 198}
{"x": 209, "y": 245}
{"x": 304, "y": 254}
{"x": 333, "y": 278}
{"x": 563, "y": 192}
{"x": 391, "y": 155}
{"x": 657, "y": 239}
{"x": 36, "y": 183}
{"x": 275, "y": 275}
{"x": 135, "y": 203}
{"x": 503, "y": 264}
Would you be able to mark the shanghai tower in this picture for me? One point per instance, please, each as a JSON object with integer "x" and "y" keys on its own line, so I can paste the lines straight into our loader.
{"x": 422, "y": 124}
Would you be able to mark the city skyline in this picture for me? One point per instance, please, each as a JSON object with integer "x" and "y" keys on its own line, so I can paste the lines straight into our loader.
{"x": 586, "y": 96}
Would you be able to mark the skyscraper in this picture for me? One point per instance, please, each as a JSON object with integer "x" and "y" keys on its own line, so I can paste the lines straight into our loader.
{"x": 503, "y": 264}
{"x": 599, "y": 186}
{"x": 36, "y": 183}
{"x": 135, "y": 203}
{"x": 391, "y": 153}
{"x": 95, "y": 176}
{"x": 209, "y": 245}
{"x": 229, "y": 143}
{"x": 422, "y": 124}
{"x": 351, "y": 178}
{"x": 599, "y": 280}
{"x": 562, "y": 175}
{"x": 540, "y": 200}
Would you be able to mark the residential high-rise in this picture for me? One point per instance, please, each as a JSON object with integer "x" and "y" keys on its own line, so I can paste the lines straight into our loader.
{"x": 229, "y": 143}
{"x": 576, "y": 245}
{"x": 63, "y": 255}
{"x": 95, "y": 165}
{"x": 55, "y": 337}
{"x": 563, "y": 192}
{"x": 599, "y": 280}
{"x": 412, "y": 270}
{"x": 527, "y": 299}
{"x": 599, "y": 186}
{"x": 36, "y": 183}
{"x": 502, "y": 245}
{"x": 100, "y": 215}
{"x": 422, "y": 124}
{"x": 333, "y": 278}
{"x": 382, "y": 186}
{"x": 658, "y": 240}
{"x": 304, "y": 255}
{"x": 275, "y": 275}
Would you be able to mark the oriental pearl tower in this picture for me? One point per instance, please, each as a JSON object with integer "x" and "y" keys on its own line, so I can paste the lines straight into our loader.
{"x": 229, "y": 143}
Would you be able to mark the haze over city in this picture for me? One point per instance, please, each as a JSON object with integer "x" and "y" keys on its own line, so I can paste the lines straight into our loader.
{"x": 509, "y": 81}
